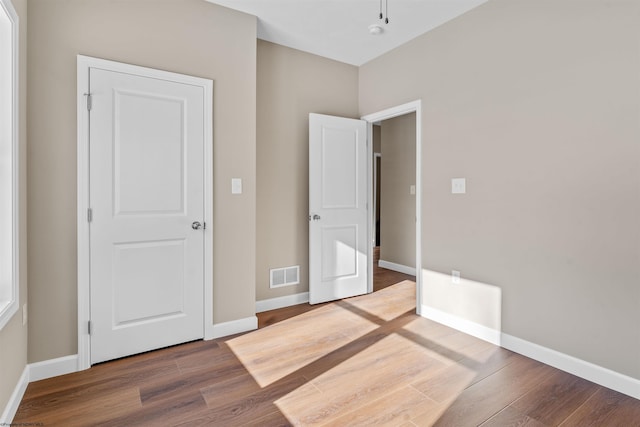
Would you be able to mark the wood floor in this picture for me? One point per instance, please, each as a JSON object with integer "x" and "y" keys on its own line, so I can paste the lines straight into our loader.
{"x": 361, "y": 361}
{"x": 381, "y": 279}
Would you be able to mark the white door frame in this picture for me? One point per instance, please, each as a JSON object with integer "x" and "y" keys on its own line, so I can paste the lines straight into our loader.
{"x": 389, "y": 113}
{"x": 84, "y": 273}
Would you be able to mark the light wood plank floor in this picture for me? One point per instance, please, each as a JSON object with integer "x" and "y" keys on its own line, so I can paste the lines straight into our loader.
{"x": 362, "y": 361}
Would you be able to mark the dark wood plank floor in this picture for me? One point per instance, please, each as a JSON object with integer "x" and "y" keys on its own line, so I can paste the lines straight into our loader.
{"x": 383, "y": 277}
{"x": 362, "y": 361}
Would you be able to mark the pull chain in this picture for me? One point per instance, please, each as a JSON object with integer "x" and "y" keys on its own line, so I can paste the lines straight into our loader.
{"x": 386, "y": 11}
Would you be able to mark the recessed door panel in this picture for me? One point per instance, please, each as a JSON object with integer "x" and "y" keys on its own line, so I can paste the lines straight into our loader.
{"x": 153, "y": 272}
{"x": 149, "y": 153}
{"x": 339, "y": 168}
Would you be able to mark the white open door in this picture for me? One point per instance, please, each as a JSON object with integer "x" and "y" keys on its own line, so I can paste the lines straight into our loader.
{"x": 338, "y": 227}
{"x": 147, "y": 213}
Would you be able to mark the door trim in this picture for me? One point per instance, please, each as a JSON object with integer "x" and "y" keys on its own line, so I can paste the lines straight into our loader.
{"x": 84, "y": 63}
{"x": 389, "y": 113}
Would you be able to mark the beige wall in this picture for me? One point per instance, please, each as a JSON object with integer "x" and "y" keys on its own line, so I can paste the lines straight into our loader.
{"x": 291, "y": 84}
{"x": 185, "y": 36}
{"x": 543, "y": 124}
{"x": 537, "y": 104}
{"x": 377, "y": 143}
{"x": 398, "y": 205}
{"x": 13, "y": 337}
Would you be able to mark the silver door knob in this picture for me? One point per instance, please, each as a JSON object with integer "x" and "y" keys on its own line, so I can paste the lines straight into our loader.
{"x": 316, "y": 217}
{"x": 196, "y": 225}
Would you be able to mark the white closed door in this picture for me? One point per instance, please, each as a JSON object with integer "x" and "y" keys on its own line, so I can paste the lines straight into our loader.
{"x": 338, "y": 250}
{"x": 146, "y": 142}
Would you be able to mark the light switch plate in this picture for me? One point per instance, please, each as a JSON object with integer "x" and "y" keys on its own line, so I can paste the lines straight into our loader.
{"x": 236, "y": 185}
{"x": 412, "y": 190}
{"x": 458, "y": 185}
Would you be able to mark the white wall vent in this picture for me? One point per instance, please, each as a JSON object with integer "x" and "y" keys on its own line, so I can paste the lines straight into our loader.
{"x": 285, "y": 276}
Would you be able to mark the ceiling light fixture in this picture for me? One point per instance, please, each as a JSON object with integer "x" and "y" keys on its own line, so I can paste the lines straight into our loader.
{"x": 375, "y": 29}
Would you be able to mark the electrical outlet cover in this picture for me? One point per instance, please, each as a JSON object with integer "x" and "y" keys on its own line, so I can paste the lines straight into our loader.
{"x": 455, "y": 276}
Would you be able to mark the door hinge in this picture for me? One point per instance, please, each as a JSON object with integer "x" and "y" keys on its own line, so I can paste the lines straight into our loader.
{"x": 89, "y": 101}
{"x": 89, "y": 327}
{"x": 89, "y": 215}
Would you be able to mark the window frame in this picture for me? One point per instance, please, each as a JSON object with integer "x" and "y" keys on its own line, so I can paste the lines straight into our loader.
{"x": 9, "y": 304}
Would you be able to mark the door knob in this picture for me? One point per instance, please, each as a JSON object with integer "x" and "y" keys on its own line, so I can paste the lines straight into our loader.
{"x": 196, "y": 225}
{"x": 316, "y": 217}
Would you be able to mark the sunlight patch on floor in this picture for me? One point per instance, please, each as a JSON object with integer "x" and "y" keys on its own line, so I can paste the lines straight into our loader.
{"x": 366, "y": 360}
{"x": 388, "y": 303}
{"x": 272, "y": 353}
{"x": 371, "y": 381}
{"x": 446, "y": 343}
{"x": 278, "y": 350}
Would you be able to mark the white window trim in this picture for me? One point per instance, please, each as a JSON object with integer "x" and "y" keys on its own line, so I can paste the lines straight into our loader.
{"x": 9, "y": 307}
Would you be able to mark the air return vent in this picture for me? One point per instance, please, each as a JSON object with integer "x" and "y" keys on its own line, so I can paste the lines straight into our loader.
{"x": 285, "y": 276}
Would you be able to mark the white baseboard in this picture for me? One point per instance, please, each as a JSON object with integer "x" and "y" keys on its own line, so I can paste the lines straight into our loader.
{"x": 463, "y": 325}
{"x": 36, "y": 372}
{"x": 53, "y": 367}
{"x": 16, "y": 397}
{"x": 583, "y": 369}
{"x": 230, "y": 328}
{"x": 397, "y": 267}
{"x": 280, "y": 302}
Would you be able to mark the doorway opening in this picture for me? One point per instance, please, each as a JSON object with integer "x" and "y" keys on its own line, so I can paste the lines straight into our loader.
{"x": 394, "y": 195}
{"x": 349, "y": 133}
{"x": 409, "y": 117}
